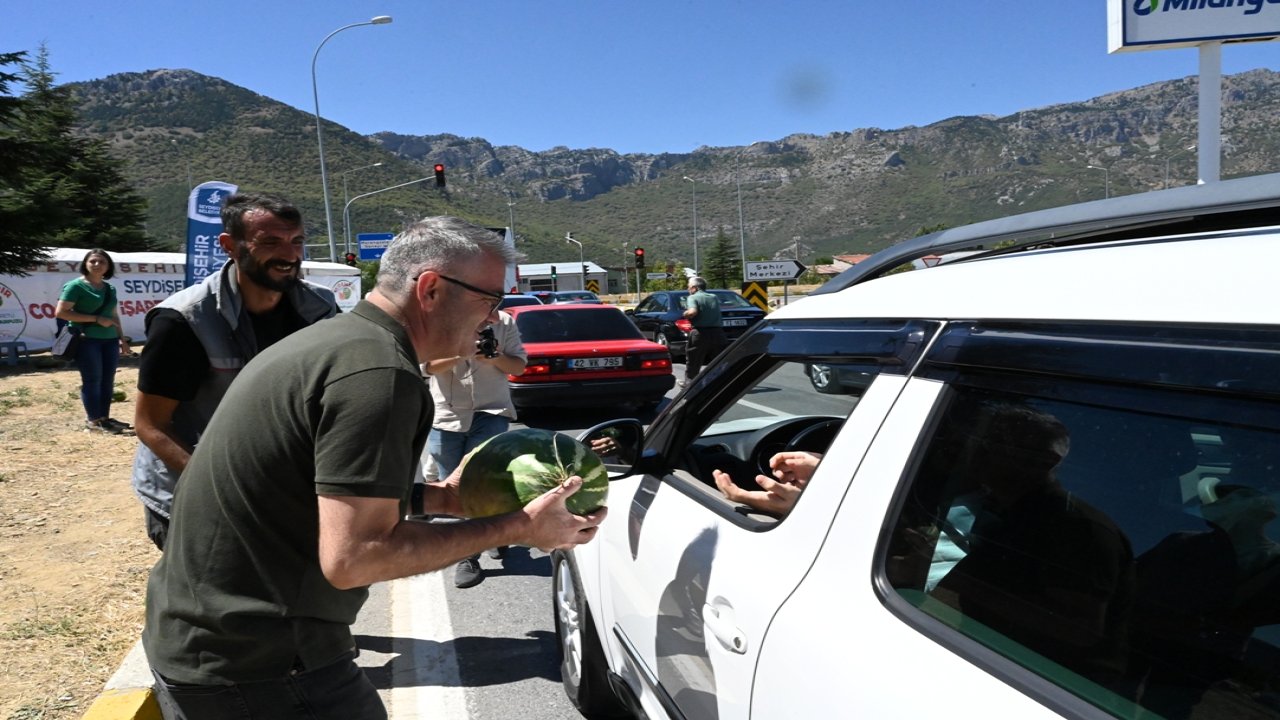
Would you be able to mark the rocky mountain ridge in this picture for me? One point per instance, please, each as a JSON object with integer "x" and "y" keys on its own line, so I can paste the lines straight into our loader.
{"x": 847, "y": 191}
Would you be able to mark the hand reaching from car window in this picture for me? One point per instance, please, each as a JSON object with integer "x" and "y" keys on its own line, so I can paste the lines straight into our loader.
{"x": 792, "y": 470}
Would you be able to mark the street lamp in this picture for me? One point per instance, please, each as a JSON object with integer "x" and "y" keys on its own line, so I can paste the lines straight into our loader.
{"x": 582, "y": 263}
{"x": 511, "y": 219}
{"x": 1166, "y": 163}
{"x": 346, "y": 209}
{"x": 1107, "y": 176}
{"x": 346, "y": 231}
{"x": 695, "y": 222}
{"x": 315, "y": 94}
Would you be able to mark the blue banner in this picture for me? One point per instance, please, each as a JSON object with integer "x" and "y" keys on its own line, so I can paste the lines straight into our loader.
{"x": 204, "y": 224}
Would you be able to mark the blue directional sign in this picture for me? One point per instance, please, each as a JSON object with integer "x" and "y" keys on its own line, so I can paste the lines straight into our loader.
{"x": 372, "y": 245}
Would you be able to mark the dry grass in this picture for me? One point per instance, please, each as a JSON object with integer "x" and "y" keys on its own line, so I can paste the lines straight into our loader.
{"x": 74, "y": 557}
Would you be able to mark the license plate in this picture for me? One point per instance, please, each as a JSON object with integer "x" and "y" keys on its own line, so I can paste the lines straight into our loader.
{"x": 735, "y": 322}
{"x": 595, "y": 363}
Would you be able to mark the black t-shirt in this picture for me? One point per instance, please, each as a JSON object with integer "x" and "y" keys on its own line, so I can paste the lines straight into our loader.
{"x": 174, "y": 363}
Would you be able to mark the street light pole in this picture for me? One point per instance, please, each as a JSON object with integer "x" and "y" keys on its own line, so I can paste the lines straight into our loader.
{"x": 1166, "y": 164}
{"x": 346, "y": 231}
{"x": 582, "y": 263}
{"x": 695, "y": 222}
{"x": 742, "y": 231}
{"x": 315, "y": 95}
{"x": 1107, "y": 177}
{"x": 511, "y": 219}
{"x": 346, "y": 209}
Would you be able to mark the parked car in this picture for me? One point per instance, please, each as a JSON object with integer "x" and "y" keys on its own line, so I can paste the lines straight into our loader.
{"x": 509, "y": 301}
{"x": 1029, "y": 505}
{"x": 587, "y": 356}
{"x": 660, "y": 316}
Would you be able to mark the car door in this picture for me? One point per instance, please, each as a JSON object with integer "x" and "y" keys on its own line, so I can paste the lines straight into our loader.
{"x": 690, "y": 582}
{"x": 648, "y": 314}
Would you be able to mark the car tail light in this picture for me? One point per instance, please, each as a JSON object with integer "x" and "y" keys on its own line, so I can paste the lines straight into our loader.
{"x": 684, "y": 325}
{"x": 656, "y": 363}
{"x": 533, "y": 369}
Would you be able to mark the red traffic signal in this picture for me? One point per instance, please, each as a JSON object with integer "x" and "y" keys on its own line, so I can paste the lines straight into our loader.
{"x": 439, "y": 174}
{"x": 351, "y": 259}
{"x": 639, "y": 257}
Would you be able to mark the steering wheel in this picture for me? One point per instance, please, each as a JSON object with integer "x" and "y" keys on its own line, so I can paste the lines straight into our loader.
{"x": 816, "y": 438}
{"x": 806, "y": 433}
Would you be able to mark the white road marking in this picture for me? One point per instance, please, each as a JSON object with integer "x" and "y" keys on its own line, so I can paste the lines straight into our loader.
{"x": 429, "y": 688}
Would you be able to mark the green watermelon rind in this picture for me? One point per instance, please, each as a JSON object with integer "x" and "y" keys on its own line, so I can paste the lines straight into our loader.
{"x": 507, "y": 471}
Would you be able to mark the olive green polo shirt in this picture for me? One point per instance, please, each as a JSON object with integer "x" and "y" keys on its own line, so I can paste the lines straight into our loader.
{"x": 708, "y": 306}
{"x": 337, "y": 408}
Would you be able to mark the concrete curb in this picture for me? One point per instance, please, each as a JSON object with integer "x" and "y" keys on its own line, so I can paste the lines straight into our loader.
{"x": 127, "y": 695}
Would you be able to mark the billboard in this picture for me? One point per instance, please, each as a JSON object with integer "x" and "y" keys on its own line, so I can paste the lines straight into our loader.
{"x": 1153, "y": 24}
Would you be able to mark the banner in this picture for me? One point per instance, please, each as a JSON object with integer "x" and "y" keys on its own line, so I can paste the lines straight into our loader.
{"x": 142, "y": 281}
{"x": 204, "y": 225}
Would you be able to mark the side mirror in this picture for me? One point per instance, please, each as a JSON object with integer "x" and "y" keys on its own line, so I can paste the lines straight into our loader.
{"x": 617, "y": 442}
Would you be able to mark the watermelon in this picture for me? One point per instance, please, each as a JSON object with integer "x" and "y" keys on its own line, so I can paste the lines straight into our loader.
{"x": 508, "y": 470}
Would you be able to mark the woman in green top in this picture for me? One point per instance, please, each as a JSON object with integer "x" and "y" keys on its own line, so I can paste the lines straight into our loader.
{"x": 88, "y": 304}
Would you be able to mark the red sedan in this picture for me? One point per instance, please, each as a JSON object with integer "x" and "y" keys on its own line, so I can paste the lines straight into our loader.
{"x": 587, "y": 356}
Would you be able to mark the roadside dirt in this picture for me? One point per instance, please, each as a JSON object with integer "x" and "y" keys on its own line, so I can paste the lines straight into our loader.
{"x": 74, "y": 557}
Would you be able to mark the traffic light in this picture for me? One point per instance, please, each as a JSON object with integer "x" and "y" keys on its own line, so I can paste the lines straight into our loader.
{"x": 351, "y": 259}
{"x": 439, "y": 174}
{"x": 584, "y": 270}
{"x": 639, "y": 257}
{"x": 553, "y": 272}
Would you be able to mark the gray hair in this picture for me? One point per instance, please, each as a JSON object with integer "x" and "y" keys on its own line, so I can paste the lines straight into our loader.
{"x": 698, "y": 282}
{"x": 437, "y": 243}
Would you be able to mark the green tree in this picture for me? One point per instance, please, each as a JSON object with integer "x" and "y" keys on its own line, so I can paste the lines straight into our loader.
{"x": 18, "y": 246}
{"x": 62, "y": 189}
{"x": 722, "y": 268}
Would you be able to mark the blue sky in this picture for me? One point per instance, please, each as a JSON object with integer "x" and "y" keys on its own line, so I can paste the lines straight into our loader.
{"x": 635, "y": 76}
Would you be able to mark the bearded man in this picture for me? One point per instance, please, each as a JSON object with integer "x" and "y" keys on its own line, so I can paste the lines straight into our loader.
{"x": 199, "y": 339}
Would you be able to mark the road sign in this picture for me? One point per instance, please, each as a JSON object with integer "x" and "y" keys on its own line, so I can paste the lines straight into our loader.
{"x": 594, "y": 286}
{"x": 372, "y": 245}
{"x": 657, "y": 276}
{"x": 776, "y": 270}
{"x": 756, "y": 294}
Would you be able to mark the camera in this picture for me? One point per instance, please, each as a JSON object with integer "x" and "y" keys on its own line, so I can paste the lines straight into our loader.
{"x": 487, "y": 345}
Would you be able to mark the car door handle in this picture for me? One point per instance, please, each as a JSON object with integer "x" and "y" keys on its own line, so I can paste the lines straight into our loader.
{"x": 721, "y": 622}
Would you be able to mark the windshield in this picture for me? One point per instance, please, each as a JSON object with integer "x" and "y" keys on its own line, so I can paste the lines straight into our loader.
{"x": 576, "y": 326}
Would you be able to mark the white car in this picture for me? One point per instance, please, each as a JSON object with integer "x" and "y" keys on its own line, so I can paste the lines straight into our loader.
{"x": 1046, "y": 487}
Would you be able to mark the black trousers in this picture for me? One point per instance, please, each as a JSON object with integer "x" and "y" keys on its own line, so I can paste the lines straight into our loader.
{"x": 703, "y": 347}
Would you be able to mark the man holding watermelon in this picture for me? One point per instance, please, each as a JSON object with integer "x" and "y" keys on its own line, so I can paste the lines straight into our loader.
{"x": 294, "y": 500}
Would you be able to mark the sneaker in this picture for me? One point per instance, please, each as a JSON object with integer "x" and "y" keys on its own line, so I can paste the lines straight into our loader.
{"x": 100, "y": 426}
{"x": 121, "y": 426}
{"x": 468, "y": 573}
{"x": 498, "y": 553}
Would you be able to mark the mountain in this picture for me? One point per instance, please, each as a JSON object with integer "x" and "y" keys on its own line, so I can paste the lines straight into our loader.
{"x": 845, "y": 192}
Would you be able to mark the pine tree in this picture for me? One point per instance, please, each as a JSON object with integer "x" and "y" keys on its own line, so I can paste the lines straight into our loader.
{"x": 722, "y": 267}
{"x": 61, "y": 190}
{"x": 19, "y": 246}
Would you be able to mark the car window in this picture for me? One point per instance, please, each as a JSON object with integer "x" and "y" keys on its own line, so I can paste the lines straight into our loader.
{"x": 1120, "y": 545}
{"x": 790, "y": 390}
{"x": 731, "y": 300}
{"x": 575, "y": 325}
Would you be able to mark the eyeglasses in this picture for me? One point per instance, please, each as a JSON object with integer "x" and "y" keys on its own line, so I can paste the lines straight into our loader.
{"x": 494, "y": 298}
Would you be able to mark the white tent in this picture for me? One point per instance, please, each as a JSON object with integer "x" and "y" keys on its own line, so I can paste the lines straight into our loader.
{"x": 142, "y": 281}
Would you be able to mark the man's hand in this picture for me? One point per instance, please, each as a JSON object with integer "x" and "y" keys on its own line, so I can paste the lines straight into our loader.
{"x": 552, "y": 526}
{"x": 776, "y": 497}
{"x": 794, "y": 467}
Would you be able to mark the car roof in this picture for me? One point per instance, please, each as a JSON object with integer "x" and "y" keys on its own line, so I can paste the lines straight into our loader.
{"x": 1177, "y": 210}
{"x": 1217, "y": 277}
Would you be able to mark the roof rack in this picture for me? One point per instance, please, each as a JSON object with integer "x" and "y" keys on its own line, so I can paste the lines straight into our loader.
{"x": 1197, "y": 207}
